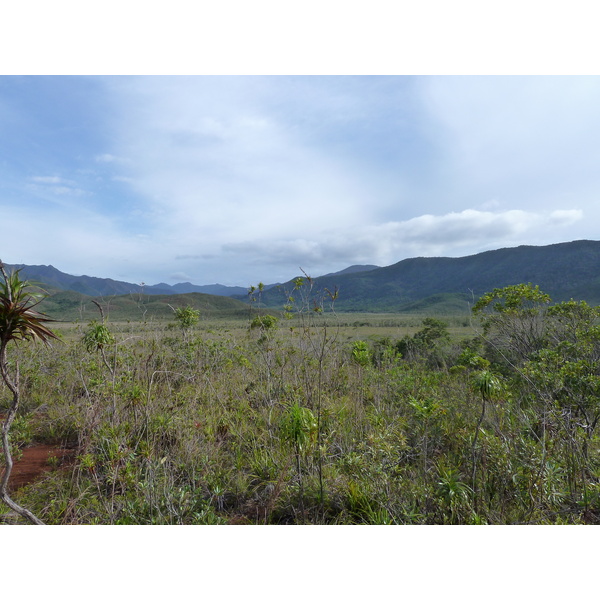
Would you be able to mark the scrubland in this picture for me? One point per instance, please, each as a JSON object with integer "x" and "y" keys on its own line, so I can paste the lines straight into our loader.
{"x": 319, "y": 418}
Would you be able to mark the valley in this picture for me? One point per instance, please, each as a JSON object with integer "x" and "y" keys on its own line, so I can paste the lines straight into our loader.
{"x": 446, "y": 410}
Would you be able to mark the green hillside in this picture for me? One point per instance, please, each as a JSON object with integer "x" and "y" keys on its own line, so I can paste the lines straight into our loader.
{"x": 73, "y": 306}
{"x": 567, "y": 270}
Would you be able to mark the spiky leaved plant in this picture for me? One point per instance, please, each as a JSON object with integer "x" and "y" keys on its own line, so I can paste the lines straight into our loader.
{"x": 300, "y": 428}
{"x": 18, "y": 321}
{"x": 488, "y": 385}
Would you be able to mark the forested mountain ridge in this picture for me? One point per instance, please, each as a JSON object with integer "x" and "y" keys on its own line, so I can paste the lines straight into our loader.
{"x": 566, "y": 270}
{"x": 54, "y": 280}
{"x": 50, "y": 276}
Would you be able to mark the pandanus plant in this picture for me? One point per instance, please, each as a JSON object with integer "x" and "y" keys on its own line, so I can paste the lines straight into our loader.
{"x": 489, "y": 386}
{"x": 18, "y": 321}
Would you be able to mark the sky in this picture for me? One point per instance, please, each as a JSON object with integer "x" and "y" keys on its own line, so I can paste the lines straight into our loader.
{"x": 241, "y": 179}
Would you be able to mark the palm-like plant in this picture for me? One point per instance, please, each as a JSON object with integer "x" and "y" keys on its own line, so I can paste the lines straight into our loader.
{"x": 300, "y": 428}
{"x": 454, "y": 493}
{"x": 488, "y": 385}
{"x": 18, "y": 321}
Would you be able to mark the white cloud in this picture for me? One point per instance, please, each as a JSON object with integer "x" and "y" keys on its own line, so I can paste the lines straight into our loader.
{"x": 427, "y": 235}
{"x": 463, "y": 228}
{"x": 62, "y": 190}
{"x": 566, "y": 217}
{"x": 55, "y": 186}
{"x": 105, "y": 158}
{"x": 77, "y": 242}
{"x": 213, "y": 164}
{"x": 109, "y": 158}
{"x": 180, "y": 276}
{"x": 52, "y": 180}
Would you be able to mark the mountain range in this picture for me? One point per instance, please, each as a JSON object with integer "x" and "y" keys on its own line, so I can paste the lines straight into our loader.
{"x": 564, "y": 271}
{"x": 442, "y": 285}
{"x": 97, "y": 286}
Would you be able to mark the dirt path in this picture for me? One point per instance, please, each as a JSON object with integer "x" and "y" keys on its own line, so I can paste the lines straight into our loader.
{"x": 33, "y": 463}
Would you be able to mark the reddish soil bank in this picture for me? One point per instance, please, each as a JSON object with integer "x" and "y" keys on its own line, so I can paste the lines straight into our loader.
{"x": 33, "y": 463}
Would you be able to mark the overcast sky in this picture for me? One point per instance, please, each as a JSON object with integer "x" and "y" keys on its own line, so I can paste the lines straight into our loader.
{"x": 241, "y": 179}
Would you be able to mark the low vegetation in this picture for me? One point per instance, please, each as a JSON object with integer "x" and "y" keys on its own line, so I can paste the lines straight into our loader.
{"x": 306, "y": 416}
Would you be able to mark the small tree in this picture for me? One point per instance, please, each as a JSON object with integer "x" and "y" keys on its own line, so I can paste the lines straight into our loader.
{"x": 266, "y": 324}
{"x": 186, "y": 317}
{"x": 96, "y": 338}
{"x": 361, "y": 353}
{"x": 18, "y": 321}
{"x": 513, "y": 320}
{"x": 426, "y": 343}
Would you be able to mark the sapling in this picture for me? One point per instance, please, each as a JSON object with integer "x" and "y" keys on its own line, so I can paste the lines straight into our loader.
{"x": 96, "y": 339}
{"x": 186, "y": 318}
{"x": 299, "y": 427}
{"x": 310, "y": 307}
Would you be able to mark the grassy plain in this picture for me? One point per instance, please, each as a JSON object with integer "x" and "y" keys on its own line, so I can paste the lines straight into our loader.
{"x": 324, "y": 418}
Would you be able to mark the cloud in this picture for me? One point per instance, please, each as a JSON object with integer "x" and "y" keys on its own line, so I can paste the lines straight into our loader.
{"x": 57, "y": 194}
{"x": 454, "y": 233}
{"x": 54, "y": 185}
{"x": 220, "y": 160}
{"x": 529, "y": 140}
{"x": 463, "y": 228}
{"x": 76, "y": 242}
{"x": 105, "y": 158}
{"x": 180, "y": 276}
{"x": 212, "y": 161}
{"x": 62, "y": 190}
{"x": 566, "y": 217}
{"x": 109, "y": 158}
{"x": 54, "y": 180}
{"x": 456, "y": 230}
{"x": 195, "y": 256}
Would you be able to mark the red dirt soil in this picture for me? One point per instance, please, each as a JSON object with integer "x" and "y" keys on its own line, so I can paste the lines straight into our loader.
{"x": 33, "y": 463}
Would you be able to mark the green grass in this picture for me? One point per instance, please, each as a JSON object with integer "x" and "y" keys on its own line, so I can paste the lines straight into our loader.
{"x": 71, "y": 306}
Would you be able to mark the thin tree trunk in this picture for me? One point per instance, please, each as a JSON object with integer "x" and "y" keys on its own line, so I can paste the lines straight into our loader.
{"x": 13, "y": 386}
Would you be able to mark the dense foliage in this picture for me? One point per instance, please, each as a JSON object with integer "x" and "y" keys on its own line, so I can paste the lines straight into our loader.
{"x": 292, "y": 422}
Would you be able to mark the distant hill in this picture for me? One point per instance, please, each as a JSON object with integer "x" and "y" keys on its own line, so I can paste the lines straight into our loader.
{"x": 566, "y": 270}
{"x": 215, "y": 289}
{"x": 52, "y": 280}
{"x": 96, "y": 286}
{"x": 73, "y": 306}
